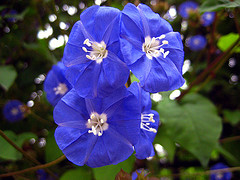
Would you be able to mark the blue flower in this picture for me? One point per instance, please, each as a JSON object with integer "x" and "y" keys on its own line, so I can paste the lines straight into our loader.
{"x": 185, "y": 8}
{"x": 14, "y": 110}
{"x": 220, "y": 175}
{"x": 151, "y": 49}
{"x": 207, "y": 18}
{"x": 142, "y": 173}
{"x": 56, "y": 85}
{"x": 196, "y": 43}
{"x": 149, "y": 123}
{"x": 93, "y": 53}
{"x": 99, "y": 131}
{"x": 9, "y": 13}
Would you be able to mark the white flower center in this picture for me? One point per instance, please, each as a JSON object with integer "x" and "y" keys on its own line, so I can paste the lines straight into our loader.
{"x": 152, "y": 46}
{"x": 97, "y": 123}
{"x": 14, "y": 111}
{"x": 146, "y": 120}
{"x": 60, "y": 89}
{"x": 98, "y": 52}
{"x": 196, "y": 42}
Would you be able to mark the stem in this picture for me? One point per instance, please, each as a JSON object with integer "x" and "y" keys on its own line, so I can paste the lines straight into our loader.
{"x": 40, "y": 119}
{"x": 27, "y": 156}
{"x": 235, "y": 13}
{"x": 42, "y": 166}
{"x": 205, "y": 172}
{"x": 30, "y": 158}
{"x": 229, "y": 139}
{"x": 219, "y": 59}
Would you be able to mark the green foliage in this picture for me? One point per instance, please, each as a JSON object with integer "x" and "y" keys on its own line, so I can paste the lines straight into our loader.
{"x": 232, "y": 117}
{"x": 217, "y": 5}
{"x": 81, "y": 173}
{"x": 7, "y": 151}
{"x": 109, "y": 172}
{"x": 194, "y": 124}
{"x": 8, "y": 75}
{"x": 52, "y": 150}
{"x": 226, "y": 41}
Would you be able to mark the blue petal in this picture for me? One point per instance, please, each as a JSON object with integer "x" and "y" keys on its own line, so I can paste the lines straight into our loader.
{"x": 65, "y": 136}
{"x": 111, "y": 148}
{"x": 126, "y": 119}
{"x": 115, "y": 73}
{"x": 175, "y": 47}
{"x": 132, "y": 23}
{"x": 71, "y": 111}
{"x": 97, "y": 19}
{"x": 144, "y": 148}
{"x": 164, "y": 76}
{"x": 142, "y": 96}
{"x": 131, "y": 49}
{"x": 156, "y": 24}
{"x": 151, "y": 135}
{"x": 79, "y": 150}
{"x": 73, "y": 53}
{"x": 87, "y": 83}
{"x": 54, "y": 77}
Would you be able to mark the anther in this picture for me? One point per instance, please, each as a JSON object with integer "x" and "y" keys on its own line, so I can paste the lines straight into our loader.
{"x": 97, "y": 123}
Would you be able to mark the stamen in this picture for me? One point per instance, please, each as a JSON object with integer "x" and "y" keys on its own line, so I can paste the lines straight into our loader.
{"x": 61, "y": 89}
{"x": 98, "y": 52}
{"x": 97, "y": 123}
{"x": 152, "y": 46}
{"x": 146, "y": 121}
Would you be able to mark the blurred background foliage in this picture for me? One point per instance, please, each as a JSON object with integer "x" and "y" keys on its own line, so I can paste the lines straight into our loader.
{"x": 199, "y": 122}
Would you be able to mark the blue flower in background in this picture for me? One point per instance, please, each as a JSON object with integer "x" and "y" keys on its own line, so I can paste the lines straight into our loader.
{"x": 93, "y": 53}
{"x": 149, "y": 123}
{"x": 9, "y": 13}
{"x": 185, "y": 8}
{"x": 196, "y": 43}
{"x": 207, "y": 18}
{"x": 99, "y": 131}
{"x": 56, "y": 85}
{"x": 151, "y": 49}
{"x": 140, "y": 171}
{"x": 14, "y": 110}
{"x": 220, "y": 175}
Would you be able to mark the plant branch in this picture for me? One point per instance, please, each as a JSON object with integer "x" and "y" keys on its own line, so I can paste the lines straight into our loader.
{"x": 204, "y": 173}
{"x": 27, "y": 156}
{"x": 219, "y": 61}
{"x": 229, "y": 139}
{"x": 42, "y": 166}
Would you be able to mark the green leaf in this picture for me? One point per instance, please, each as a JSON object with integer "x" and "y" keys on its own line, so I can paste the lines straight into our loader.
{"x": 166, "y": 142}
{"x": 194, "y": 124}
{"x": 8, "y": 75}
{"x": 41, "y": 48}
{"x": 7, "y": 151}
{"x": 232, "y": 116}
{"x": 81, "y": 173}
{"x": 226, "y": 41}
{"x": 227, "y": 155}
{"x": 52, "y": 150}
{"x": 109, "y": 172}
{"x": 217, "y": 5}
{"x": 134, "y": 78}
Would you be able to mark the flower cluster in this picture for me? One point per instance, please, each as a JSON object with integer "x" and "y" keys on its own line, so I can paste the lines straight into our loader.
{"x": 227, "y": 175}
{"x": 14, "y": 110}
{"x": 100, "y": 121}
{"x": 197, "y": 42}
{"x": 189, "y": 9}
